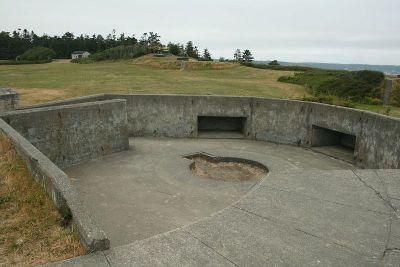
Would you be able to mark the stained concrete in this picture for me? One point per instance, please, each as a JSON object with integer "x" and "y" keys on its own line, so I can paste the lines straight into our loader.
{"x": 310, "y": 210}
{"x": 150, "y": 189}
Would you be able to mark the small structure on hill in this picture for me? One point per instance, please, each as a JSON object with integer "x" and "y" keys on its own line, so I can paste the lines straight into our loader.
{"x": 80, "y": 54}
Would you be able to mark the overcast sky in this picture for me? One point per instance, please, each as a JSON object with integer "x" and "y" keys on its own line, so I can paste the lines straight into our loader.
{"x": 338, "y": 31}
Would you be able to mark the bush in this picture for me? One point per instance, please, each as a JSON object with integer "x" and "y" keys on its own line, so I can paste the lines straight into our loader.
{"x": 121, "y": 52}
{"x": 22, "y": 62}
{"x": 319, "y": 99}
{"x": 38, "y": 53}
{"x": 395, "y": 97}
{"x": 352, "y": 85}
{"x": 82, "y": 60}
{"x": 276, "y": 67}
{"x": 373, "y": 101}
{"x": 329, "y": 100}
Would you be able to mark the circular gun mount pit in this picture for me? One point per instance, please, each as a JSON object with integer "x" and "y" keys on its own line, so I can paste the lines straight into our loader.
{"x": 225, "y": 168}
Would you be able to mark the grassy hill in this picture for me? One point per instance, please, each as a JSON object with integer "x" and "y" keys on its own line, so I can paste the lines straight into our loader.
{"x": 61, "y": 79}
{"x": 148, "y": 74}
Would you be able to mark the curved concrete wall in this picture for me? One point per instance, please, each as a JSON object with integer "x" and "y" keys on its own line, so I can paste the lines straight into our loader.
{"x": 280, "y": 121}
{"x": 69, "y": 134}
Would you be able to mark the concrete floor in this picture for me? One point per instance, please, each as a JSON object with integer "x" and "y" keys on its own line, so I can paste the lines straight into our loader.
{"x": 310, "y": 210}
{"x": 150, "y": 189}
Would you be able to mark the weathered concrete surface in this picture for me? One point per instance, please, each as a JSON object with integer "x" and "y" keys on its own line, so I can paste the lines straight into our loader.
{"x": 8, "y": 99}
{"x": 59, "y": 189}
{"x": 150, "y": 189}
{"x": 73, "y": 133}
{"x": 311, "y": 210}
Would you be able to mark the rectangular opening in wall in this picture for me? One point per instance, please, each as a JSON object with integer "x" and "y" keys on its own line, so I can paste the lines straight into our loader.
{"x": 221, "y": 127}
{"x": 333, "y": 143}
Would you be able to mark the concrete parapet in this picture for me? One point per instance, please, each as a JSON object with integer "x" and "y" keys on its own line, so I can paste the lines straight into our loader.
{"x": 59, "y": 188}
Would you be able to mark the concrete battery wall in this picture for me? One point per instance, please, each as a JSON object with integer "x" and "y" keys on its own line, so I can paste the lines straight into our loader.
{"x": 280, "y": 121}
{"x": 72, "y": 133}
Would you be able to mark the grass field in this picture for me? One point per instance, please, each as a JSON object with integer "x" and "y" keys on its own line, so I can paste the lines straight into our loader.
{"x": 62, "y": 79}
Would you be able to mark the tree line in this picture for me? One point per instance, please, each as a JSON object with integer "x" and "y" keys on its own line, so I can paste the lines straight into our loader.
{"x": 13, "y": 44}
{"x": 16, "y": 43}
{"x": 189, "y": 50}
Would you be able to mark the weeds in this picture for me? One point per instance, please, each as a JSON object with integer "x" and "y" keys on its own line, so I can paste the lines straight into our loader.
{"x": 30, "y": 229}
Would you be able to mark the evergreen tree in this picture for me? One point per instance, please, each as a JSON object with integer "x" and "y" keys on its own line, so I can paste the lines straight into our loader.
{"x": 247, "y": 56}
{"x": 196, "y": 53}
{"x": 174, "y": 49}
{"x": 189, "y": 50}
{"x": 238, "y": 55}
{"x": 274, "y": 63}
{"x": 207, "y": 55}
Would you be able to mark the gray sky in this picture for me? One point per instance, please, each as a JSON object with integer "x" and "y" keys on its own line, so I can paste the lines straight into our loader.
{"x": 339, "y": 31}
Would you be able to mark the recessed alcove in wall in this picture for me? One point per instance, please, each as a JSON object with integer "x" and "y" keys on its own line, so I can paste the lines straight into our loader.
{"x": 333, "y": 143}
{"x": 221, "y": 127}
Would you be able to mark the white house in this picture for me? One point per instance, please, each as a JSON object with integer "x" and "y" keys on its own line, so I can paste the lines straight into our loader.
{"x": 80, "y": 54}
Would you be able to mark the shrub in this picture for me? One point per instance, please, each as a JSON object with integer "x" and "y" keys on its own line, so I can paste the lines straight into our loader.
{"x": 395, "y": 97}
{"x": 121, "y": 52}
{"x": 22, "y": 62}
{"x": 38, "y": 53}
{"x": 330, "y": 101}
{"x": 373, "y": 101}
{"x": 319, "y": 99}
{"x": 276, "y": 67}
{"x": 82, "y": 60}
{"x": 274, "y": 63}
{"x": 352, "y": 85}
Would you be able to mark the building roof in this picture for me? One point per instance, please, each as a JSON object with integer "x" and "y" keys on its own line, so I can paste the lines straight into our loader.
{"x": 79, "y": 52}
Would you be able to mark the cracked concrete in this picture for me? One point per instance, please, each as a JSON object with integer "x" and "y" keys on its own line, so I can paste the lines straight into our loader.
{"x": 310, "y": 210}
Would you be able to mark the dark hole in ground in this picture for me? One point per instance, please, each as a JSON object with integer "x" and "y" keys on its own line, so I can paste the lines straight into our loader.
{"x": 333, "y": 143}
{"x": 226, "y": 169}
{"x": 221, "y": 127}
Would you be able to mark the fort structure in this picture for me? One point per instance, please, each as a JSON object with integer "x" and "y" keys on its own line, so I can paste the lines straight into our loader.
{"x": 140, "y": 176}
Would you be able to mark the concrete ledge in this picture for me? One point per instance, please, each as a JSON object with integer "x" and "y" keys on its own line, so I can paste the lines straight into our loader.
{"x": 59, "y": 189}
{"x": 75, "y": 100}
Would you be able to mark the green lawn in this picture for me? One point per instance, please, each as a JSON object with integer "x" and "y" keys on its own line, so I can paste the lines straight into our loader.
{"x": 61, "y": 79}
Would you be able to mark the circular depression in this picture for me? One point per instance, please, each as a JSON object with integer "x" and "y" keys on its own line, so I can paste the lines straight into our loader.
{"x": 226, "y": 168}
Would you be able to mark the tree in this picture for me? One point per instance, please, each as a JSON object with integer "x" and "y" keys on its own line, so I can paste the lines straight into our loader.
{"x": 196, "y": 53}
{"x": 247, "y": 56}
{"x": 153, "y": 41}
{"x": 191, "y": 50}
{"x": 207, "y": 55}
{"x": 274, "y": 63}
{"x": 174, "y": 49}
{"x": 38, "y": 53}
{"x": 238, "y": 55}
